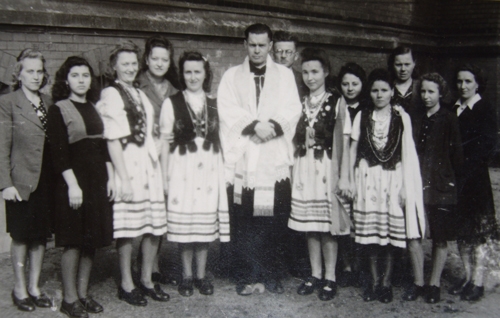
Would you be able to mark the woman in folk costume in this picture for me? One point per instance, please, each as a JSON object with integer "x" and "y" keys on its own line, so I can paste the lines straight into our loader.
{"x": 321, "y": 149}
{"x": 84, "y": 185}
{"x": 477, "y": 122}
{"x": 385, "y": 178}
{"x": 352, "y": 78}
{"x": 158, "y": 79}
{"x": 139, "y": 209}
{"x": 193, "y": 171}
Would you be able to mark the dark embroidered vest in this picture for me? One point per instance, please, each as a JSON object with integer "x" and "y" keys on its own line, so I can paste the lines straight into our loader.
{"x": 323, "y": 130}
{"x": 136, "y": 117}
{"x": 391, "y": 154}
{"x": 184, "y": 129}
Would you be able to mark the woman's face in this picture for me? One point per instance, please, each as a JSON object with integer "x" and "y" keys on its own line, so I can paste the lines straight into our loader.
{"x": 466, "y": 84}
{"x": 31, "y": 75}
{"x": 313, "y": 75}
{"x": 430, "y": 93}
{"x": 381, "y": 94}
{"x": 194, "y": 75}
{"x": 351, "y": 87}
{"x": 403, "y": 66}
{"x": 126, "y": 67}
{"x": 79, "y": 80}
{"x": 158, "y": 61}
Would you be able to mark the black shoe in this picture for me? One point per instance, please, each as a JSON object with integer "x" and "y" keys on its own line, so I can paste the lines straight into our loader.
{"x": 473, "y": 293}
{"x": 459, "y": 288}
{"x": 164, "y": 279}
{"x": 25, "y": 304}
{"x": 412, "y": 292}
{"x": 155, "y": 293}
{"x": 90, "y": 305}
{"x": 204, "y": 286}
{"x": 186, "y": 287}
{"x": 369, "y": 294}
{"x": 74, "y": 309}
{"x": 433, "y": 294}
{"x": 346, "y": 279}
{"x": 385, "y": 294}
{"x": 328, "y": 291}
{"x": 274, "y": 286}
{"x": 41, "y": 300}
{"x": 135, "y": 297}
{"x": 309, "y": 286}
{"x": 243, "y": 289}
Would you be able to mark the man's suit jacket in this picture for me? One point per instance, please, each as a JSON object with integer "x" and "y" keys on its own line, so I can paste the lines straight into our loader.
{"x": 22, "y": 140}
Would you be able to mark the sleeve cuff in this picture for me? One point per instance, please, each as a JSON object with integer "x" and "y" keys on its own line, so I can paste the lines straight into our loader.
{"x": 250, "y": 129}
{"x": 277, "y": 128}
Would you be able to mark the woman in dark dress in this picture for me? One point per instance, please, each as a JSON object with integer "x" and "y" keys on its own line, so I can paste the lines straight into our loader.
{"x": 84, "y": 219}
{"x": 478, "y": 128}
{"x": 158, "y": 79}
{"x": 25, "y": 174}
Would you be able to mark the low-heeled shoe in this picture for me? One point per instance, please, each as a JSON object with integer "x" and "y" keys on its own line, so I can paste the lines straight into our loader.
{"x": 328, "y": 291}
{"x": 41, "y": 300}
{"x": 164, "y": 279}
{"x": 274, "y": 286}
{"x": 369, "y": 294}
{"x": 309, "y": 286}
{"x": 385, "y": 294}
{"x": 413, "y": 292}
{"x": 91, "y": 305}
{"x": 25, "y": 304}
{"x": 204, "y": 286}
{"x": 156, "y": 293}
{"x": 459, "y": 288}
{"x": 186, "y": 287}
{"x": 74, "y": 309}
{"x": 433, "y": 294}
{"x": 473, "y": 293}
{"x": 135, "y": 297}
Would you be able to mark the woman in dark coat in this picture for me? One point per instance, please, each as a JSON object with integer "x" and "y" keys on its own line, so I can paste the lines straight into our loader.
{"x": 25, "y": 175}
{"x": 84, "y": 217}
{"x": 478, "y": 128}
{"x": 439, "y": 149}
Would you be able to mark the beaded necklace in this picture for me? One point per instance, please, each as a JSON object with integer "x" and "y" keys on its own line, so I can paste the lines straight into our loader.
{"x": 199, "y": 120}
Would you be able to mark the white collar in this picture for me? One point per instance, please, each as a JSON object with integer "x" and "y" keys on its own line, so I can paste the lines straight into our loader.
{"x": 469, "y": 103}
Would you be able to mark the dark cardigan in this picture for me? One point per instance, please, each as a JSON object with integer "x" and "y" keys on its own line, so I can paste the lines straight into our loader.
{"x": 440, "y": 154}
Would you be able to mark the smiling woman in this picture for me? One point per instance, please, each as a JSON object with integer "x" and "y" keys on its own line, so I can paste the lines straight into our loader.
{"x": 139, "y": 208}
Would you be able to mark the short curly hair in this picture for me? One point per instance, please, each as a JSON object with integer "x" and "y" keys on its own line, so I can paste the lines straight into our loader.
{"x": 195, "y": 56}
{"x": 439, "y": 80}
{"x": 18, "y": 67}
{"x": 479, "y": 75}
{"x": 124, "y": 46}
{"x": 61, "y": 90}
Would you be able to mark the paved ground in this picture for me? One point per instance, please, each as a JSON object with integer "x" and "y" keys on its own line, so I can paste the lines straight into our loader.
{"x": 226, "y": 303}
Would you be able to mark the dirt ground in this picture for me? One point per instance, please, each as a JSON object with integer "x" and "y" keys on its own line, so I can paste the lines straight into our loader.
{"x": 226, "y": 303}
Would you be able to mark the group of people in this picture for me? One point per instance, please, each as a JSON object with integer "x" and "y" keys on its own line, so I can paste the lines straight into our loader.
{"x": 282, "y": 167}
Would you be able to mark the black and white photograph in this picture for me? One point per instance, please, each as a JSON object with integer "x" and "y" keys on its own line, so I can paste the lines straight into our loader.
{"x": 261, "y": 158}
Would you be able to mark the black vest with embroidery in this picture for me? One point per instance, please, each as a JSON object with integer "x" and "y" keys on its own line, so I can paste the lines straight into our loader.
{"x": 136, "y": 118}
{"x": 184, "y": 128}
{"x": 323, "y": 130}
{"x": 390, "y": 155}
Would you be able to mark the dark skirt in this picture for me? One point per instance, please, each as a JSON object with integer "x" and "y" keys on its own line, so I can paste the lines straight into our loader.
{"x": 476, "y": 208}
{"x": 442, "y": 222}
{"x": 31, "y": 220}
{"x": 91, "y": 225}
